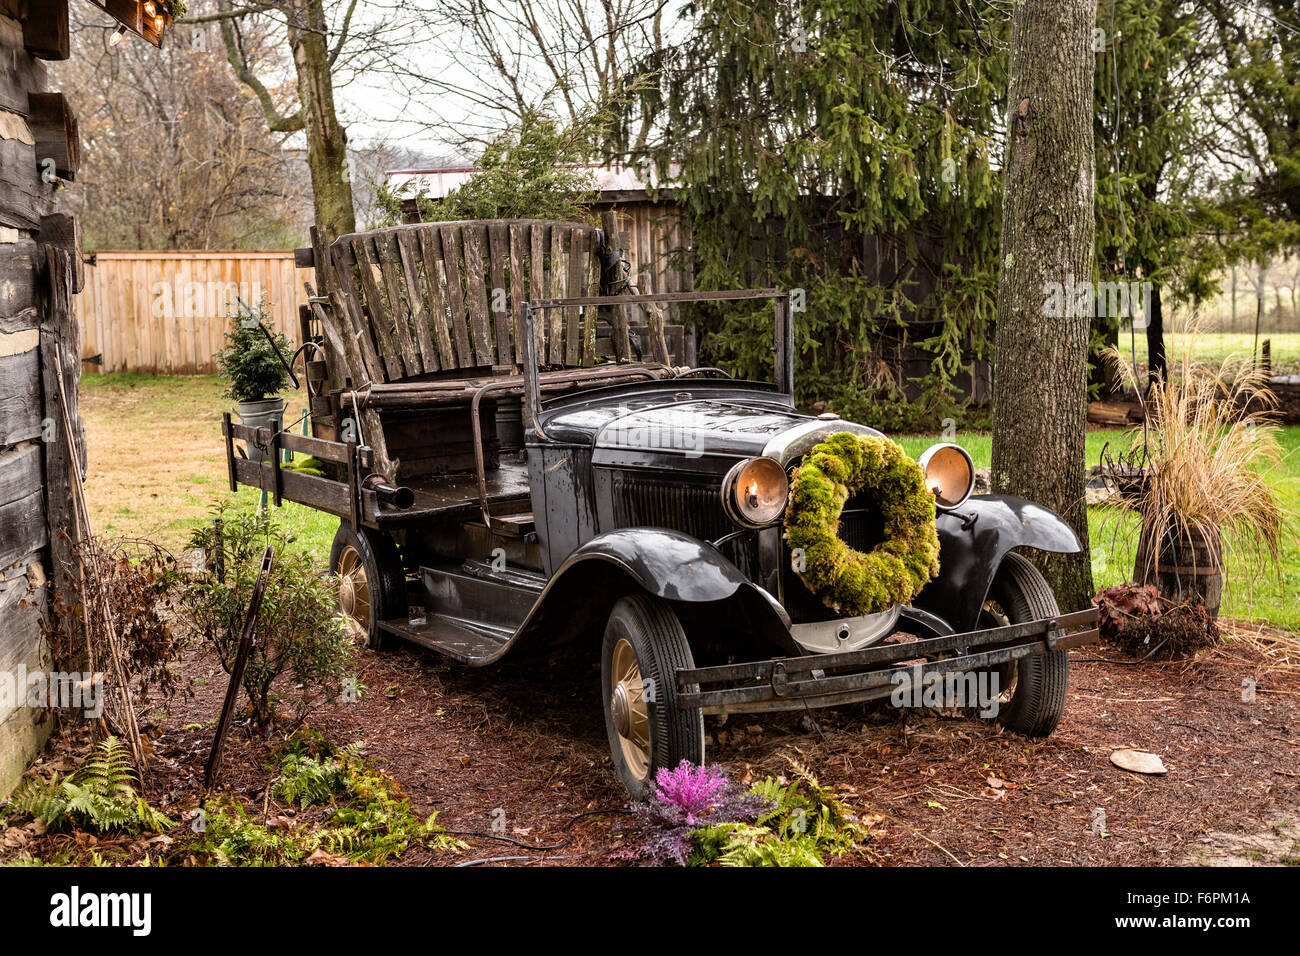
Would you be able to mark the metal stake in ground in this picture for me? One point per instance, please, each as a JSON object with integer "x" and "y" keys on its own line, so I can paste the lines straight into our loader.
{"x": 247, "y": 640}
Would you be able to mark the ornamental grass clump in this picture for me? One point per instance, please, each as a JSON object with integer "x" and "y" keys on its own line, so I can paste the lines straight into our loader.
{"x": 1211, "y": 451}
{"x": 848, "y": 581}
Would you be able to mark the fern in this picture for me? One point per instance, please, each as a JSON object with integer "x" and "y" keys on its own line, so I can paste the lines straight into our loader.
{"x": 805, "y": 822}
{"x": 309, "y": 780}
{"x": 371, "y": 822}
{"x": 99, "y": 796}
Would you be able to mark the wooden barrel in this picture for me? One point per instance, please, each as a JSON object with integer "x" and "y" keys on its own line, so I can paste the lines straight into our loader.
{"x": 1189, "y": 567}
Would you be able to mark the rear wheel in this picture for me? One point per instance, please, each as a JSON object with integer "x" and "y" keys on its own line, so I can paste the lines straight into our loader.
{"x": 643, "y": 648}
{"x": 372, "y": 583}
{"x": 1032, "y": 690}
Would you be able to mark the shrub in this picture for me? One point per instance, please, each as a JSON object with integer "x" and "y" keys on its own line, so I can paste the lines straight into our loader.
{"x": 299, "y": 631}
{"x": 142, "y": 582}
{"x": 254, "y": 366}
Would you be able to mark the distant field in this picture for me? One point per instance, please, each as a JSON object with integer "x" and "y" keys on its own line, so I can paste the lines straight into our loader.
{"x": 1214, "y": 347}
{"x": 157, "y": 465}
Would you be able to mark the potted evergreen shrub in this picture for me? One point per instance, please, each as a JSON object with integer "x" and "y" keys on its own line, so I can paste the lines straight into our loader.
{"x": 255, "y": 369}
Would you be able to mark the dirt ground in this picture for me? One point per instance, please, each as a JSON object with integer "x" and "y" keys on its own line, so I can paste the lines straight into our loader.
{"x": 526, "y": 740}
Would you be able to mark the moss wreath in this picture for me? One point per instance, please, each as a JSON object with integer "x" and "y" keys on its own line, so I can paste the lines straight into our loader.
{"x": 848, "y": 581}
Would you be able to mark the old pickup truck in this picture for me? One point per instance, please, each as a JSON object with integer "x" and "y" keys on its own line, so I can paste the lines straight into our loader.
{"x": 520, "y": 456}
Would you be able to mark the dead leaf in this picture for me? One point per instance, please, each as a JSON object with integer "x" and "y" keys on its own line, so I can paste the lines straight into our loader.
{"x": 324, "y": 858}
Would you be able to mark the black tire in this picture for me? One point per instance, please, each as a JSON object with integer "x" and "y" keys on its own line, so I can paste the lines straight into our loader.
{"x": 1038, "y": 683}
{"x": 385, "y": 580}
{"x": 659, "y": 645}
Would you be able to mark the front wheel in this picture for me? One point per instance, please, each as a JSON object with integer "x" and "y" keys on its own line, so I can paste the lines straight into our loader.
{"x": 1032, "y": 690}
{"x": 643, "y": 648}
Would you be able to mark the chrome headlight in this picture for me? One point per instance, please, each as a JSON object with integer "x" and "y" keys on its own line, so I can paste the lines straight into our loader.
{"x": 949, "y": 474}
{"x": 754, "y": 492}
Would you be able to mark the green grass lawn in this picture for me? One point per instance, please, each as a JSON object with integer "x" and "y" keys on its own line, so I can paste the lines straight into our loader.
{"x": 1212, "y": 348}
{"x": 157, "y": 466}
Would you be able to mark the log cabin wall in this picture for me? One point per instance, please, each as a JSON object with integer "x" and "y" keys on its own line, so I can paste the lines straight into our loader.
{"x": 40, "y": 269}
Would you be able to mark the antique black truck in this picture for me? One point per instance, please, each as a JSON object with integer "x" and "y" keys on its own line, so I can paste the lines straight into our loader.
{"x": 520, "y": 457}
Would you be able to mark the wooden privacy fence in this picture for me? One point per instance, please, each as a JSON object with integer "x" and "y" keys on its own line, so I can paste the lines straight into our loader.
{"x": 167, "y": 312}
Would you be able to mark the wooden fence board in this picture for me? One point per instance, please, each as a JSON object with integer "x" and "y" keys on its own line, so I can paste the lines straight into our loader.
{"x": 166, "y": 312}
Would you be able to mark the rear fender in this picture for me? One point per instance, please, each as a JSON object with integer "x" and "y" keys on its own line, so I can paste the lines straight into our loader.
{"x": 974, "y": 539}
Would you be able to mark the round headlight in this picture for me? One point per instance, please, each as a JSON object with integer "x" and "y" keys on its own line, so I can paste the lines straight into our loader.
{"x": 755, "y": 491}
{"x": 949, "y": 474}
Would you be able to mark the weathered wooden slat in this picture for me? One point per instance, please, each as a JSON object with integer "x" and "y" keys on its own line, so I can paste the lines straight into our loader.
{"x": 320, "y": 493}
{"x": 54, "y": 127}
{"x": 540, "y": 241}
{"x": 319, "y": 448}
{"x": 24, "y": 198}
{"x": 557, "y": 273}
{"x": 419, "y": 310}
{"x": 431, "y": 253}
{"x": 499, "y": 243}
{"x": 611, "y": 284}
{"x": 389, "y": 262}
{"x": 18, "y": 285}
{"x": 20, "y": 472}
{"x": 346, "y": 304}
{"x": 20, "y": 393}
{"x": 63, "y": 231}
{"x": 452, "y": 267}
{"x": 480, "y": 327}
{"x": 22, "y": 72}
{"x": 590, "y": 313}
{"x": 577, "y": 285}
{"x": 22, "y": 527}
{"x": 518, "y": 259}
{"x": 45, "y": 29}
{"x": 380, "y": 324}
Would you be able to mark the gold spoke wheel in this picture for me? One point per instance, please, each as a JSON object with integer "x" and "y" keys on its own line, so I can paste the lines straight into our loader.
{"x": 628, "y": 706}
{"x": 354, "y": 591}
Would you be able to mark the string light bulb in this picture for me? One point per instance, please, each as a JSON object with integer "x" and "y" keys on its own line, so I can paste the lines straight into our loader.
{"x": 118, "y": 36}
{"x": 150, "y": 10}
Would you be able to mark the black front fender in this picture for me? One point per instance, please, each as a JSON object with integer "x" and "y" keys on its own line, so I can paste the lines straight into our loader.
{"x": 972, "y": 543}
{"x": 687, "y": 572}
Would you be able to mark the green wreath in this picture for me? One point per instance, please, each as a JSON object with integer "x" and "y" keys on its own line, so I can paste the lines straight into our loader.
{"x": 848, "y": 581}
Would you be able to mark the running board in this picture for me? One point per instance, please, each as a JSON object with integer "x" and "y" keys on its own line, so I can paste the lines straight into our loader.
{"x": 461, "y": 640}
{"x": 468, "y": 612}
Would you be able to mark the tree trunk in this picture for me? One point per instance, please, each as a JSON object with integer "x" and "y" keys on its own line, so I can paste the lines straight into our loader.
{"x": 1039, "y": 389}
{"x": 1157, "y": 361}
{"x": 326, "y": 140}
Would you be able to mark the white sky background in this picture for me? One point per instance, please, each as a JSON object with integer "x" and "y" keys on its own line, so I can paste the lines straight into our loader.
{"x": 404, "y": 101}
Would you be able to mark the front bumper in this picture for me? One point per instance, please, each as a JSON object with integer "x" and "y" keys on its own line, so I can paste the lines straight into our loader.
{"x": 827, "y": 680}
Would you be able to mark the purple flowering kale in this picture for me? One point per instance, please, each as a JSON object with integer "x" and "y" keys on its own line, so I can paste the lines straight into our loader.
{"x": 689, "y": 789}
{"x": 684, "y": 800}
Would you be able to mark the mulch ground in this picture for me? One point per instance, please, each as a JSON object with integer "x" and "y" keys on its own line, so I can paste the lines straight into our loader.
{"x": 524, "y": 743}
